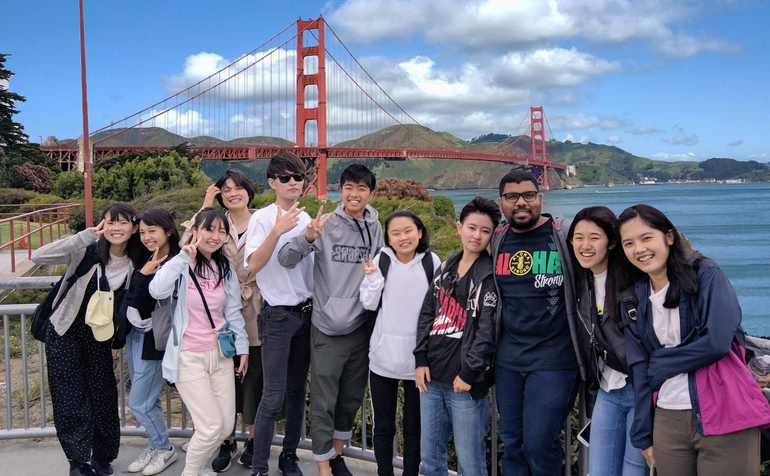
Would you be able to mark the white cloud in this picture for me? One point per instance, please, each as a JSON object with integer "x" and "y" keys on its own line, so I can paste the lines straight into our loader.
{"x": 680, "y": 137}
{"x": 569, "y": 137}
{"x": 758, "y": 157}
{"x": 614, "y": 139}
{"x": 691, "y": 156}
{"x": 644, "y": 130}
{"x": 187, "y": 123}
{"x": 735, "y": 143}
{"x": 546, "y": 67}
{"x": 513, "y": 24}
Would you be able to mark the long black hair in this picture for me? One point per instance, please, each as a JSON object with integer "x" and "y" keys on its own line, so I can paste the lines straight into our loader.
{"x": 205, "y": 219}
{"x": 424, "y": 242}
{"x": 682, "y": 277}
{"x": 136, "y": 252}
{"x": 616, "y": 282}
{"x": 162, "y": 218}
{"x": 240, "y": 179}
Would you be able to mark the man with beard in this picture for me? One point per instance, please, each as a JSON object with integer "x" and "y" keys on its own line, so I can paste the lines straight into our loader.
{"x": 537, "y": 359}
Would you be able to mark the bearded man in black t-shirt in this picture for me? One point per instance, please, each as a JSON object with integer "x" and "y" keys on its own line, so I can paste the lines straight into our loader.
{"x": 537, "y": 365}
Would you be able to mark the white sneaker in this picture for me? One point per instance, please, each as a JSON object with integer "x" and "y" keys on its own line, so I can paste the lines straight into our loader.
{"x": 206, "y": 471}
{"x": 142, "y": 461}
{"x": 160, "y": 461}
{"x": 185, "y": 446}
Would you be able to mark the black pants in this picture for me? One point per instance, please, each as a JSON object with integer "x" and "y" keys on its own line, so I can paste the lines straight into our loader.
{"x": 83, "y": 392}
{"x": 384, "y": 392}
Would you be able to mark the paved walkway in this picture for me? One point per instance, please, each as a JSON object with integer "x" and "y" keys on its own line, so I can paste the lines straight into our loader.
{"x": 26, "y": 458}
{"x": 24, "y": 267}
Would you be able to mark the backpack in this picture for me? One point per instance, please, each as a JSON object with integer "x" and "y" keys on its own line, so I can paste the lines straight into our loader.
{"x": 47, "y": 307}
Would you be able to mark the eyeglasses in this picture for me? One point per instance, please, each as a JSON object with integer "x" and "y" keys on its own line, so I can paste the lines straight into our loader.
{"x": 513, "y": 197}
{"x": 284, "y": 178}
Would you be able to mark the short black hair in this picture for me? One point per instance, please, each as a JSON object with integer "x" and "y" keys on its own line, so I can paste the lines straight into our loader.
{"x": 240, "y": 179}
{"x": 517, "y": 176}
{"x": 162, "y": 218}
{"x": 424, "y": 242}
{"x": 484, "y": 206}
{"x": 358, "y": 173}
{"x": 285, "y": 162}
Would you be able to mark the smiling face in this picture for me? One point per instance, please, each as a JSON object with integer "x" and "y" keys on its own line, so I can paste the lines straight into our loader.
{"x": 118, "y": 229}
{"x": 234, "y": 197}
{"x": 647, "y": 248}
{"x": 521, "y": 214}
{"x": 403, "y": 237}
{"x": 153, "y": 237}
{"x": 591, "y": 246}
{"x": 475, "y": 232}
{"x": 213, "y": 239}
{"x": 355, "y": 196}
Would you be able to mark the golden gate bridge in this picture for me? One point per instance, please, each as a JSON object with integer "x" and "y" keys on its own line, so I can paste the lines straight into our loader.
{"x": 299, "y": 84}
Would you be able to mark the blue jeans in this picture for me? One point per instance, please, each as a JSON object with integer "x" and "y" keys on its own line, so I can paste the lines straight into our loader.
{"x": 441, "y": 409}
{"x": 533, "y": 409}
{"x": 611, "y": 452}
{"x": 144, "y": 400}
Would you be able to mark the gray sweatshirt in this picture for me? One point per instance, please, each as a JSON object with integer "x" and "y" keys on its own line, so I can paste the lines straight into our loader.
{"x": 337, "y": 273}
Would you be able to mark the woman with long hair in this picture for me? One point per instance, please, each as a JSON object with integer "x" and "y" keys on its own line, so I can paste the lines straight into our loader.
{"x": 159, "y": 235}
{"x": 697, "y": 407}
{"x": 78, "y": 348}
{"x": 208, "y": 300}
{"x": 610, "y": 395}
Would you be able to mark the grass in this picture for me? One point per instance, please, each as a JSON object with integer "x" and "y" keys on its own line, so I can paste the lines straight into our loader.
{"x": 5, "y": 234}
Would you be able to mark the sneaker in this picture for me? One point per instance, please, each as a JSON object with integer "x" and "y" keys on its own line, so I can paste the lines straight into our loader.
{"x": 287, "y": 464}
{"x": 224, "y": 459}
{"x": 142, "y": 461}
{"x": 101, "y": 469}
{"x": 338, "y": 467}
{"x": 161, "y": 460}
{"x": 248, "y": 453}
{"x": 81, "y": 470}
{"x": 206, "y": 472}
{"x": 185, "y": 446}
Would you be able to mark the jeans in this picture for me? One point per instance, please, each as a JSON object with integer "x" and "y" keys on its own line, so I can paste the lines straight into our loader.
{"x": 441, "y": 410}
{"x": 285, "y": 337}
{"x": 611, "y": 452}
{"x": 146, "y": 384}
{"x": 384, "y": 393}
{"x": 533, "y": 409}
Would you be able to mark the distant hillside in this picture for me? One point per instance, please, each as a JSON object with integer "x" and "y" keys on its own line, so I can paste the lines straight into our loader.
{"x": 157, "y": 136}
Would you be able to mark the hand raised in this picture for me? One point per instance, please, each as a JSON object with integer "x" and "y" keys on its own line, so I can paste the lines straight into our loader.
{"x": 154, "y": 264}
{"x": 99, "y": 230}
{"x": 285, "y": 222}
{"x": 368, "y": 268}
{"x": 211, "y": 193}
{"x": 192, "y": 248}
{"x": 316, "y": 226}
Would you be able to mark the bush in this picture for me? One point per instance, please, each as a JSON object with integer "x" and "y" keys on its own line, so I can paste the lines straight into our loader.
{"x": 69, "y": 184}
{"x": 77, "y": 219}
{"x": 443, "y": 206}
{"x": 393, "y": 188}
{"x": 14, "y": 195}
{"x": 37, "y": 178}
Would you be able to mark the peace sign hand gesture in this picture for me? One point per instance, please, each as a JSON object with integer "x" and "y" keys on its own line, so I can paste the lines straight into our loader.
{"x": 316, "y": 226}
{"x": 368, "y": 268}
{"x": 99, "y": 230}
{"x": 153, "y": 264}
{"x": 285, "y": 222}
{"x": 192, "y": 248}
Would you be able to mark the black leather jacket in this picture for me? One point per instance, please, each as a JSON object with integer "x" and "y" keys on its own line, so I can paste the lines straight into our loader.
{"x": 601, "y": 339}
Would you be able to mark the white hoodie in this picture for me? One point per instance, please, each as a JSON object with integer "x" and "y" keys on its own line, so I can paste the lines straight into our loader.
{"x": 394, "y": 335}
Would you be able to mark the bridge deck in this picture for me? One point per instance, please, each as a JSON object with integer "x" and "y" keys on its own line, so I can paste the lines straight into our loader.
{"x": 26, "y": 458}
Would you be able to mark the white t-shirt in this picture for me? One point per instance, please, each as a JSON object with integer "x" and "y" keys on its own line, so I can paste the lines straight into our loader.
{"x": 675, "y": 392}
{"x": 611, "y": 379}
{"x": 279, "y": 286}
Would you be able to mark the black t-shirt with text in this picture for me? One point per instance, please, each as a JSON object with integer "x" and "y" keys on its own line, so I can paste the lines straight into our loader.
{"x": 446, "y": 334}
{"x": 535, "y": 334}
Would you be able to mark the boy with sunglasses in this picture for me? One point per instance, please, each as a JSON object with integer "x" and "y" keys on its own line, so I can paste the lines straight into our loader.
{"x": 339, "y": 335}
{"x": 284, "y": 320}
{"x": 455, "y": 347}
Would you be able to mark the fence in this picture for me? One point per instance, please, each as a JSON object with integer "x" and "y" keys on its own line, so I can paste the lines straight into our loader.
{"x": 25, "y": 312}
{"x": 57, "y": 214}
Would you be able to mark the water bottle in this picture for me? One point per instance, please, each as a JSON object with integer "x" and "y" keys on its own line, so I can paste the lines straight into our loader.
{"x": 760, "y": 367}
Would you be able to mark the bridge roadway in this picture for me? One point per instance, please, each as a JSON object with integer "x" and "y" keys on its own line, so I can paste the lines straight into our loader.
{"x": 20, "y": 458}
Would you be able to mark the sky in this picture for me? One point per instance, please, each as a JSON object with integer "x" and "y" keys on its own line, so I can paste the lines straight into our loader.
{"x": 663, "y": 79}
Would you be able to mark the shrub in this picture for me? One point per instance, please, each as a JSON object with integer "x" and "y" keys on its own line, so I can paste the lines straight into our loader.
{"x": 14, "y": 195}
{"x": 69, "y": 184}
{"x": 443, "y": 206}
{"x": 77, "y": 219}
{"x": 37, "y": 178}
{"x": 393, "y": 188}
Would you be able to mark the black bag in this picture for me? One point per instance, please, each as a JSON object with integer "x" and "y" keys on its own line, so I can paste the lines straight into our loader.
{"x": 46, "y": 308}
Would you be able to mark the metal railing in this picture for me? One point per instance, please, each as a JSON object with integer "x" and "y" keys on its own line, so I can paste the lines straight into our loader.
{"x": 25, "y": 311}
{"x": 57, "y": 215}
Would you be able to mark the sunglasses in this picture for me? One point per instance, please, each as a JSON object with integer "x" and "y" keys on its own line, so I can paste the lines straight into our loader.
{"x": 513, "y": 197}
{"x": 284, "y": 178}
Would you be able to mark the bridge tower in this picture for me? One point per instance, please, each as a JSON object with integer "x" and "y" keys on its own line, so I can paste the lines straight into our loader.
{"x": 316, "y": 166}
{"x": 538, "y": 134}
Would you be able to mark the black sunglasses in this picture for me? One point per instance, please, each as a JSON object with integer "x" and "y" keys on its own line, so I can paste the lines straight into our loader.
{"x": 284, "y": 178}
{"x": 513, "y": 197}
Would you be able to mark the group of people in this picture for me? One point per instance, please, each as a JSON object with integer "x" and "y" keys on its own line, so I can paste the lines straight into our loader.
{"x": 536, "y": 307}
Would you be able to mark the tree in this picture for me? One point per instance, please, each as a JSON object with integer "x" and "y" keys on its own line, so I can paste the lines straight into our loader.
{"x": 11, "y": 133}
